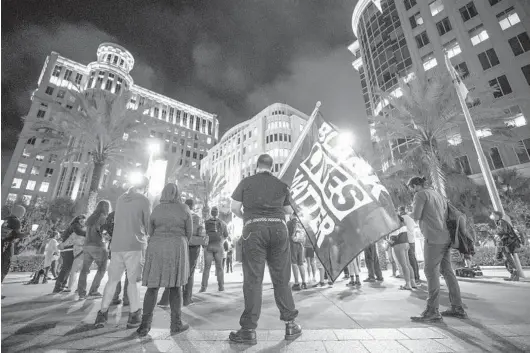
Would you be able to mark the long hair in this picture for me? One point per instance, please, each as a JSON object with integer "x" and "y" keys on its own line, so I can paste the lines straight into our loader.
{"x": 77, "y": 219}
{"x": 103, "y": 208}
{"x": 170, "y": 194}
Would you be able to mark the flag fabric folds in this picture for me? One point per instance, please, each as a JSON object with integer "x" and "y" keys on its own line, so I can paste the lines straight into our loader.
{"x": 338, "y": 198}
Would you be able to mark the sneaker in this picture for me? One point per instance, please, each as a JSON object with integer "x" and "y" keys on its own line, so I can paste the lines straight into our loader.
{"x": 134, "y": 319}
{"x": 381, "y": 279}
{"x": 304, "y": 286}
{"x": 66, "y": 290}
{"x": 101, "y": 319}
{"x": 82, "y": 297}
{"x": 245, "y": 336}
{"x": 296, "y": 287}
{"x": 428, "y": 315}
{"x": 292, "y": 330}
{"x": 221, "y": 289}
{"x": 370, "y": 280}
{"x": 95, "y": 294}
{"x": 455, "y": 311}
{"x": 116, "y": 301}
{"x": 350, "y": 283}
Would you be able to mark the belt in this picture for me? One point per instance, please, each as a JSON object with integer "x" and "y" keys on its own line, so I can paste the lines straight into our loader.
{"x": 264, "y": 220}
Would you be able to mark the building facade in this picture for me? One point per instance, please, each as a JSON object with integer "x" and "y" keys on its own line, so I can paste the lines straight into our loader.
{"x": 487, "y": 38}
{"x": 190, "y": 131}
{"x": 274, "y": 130}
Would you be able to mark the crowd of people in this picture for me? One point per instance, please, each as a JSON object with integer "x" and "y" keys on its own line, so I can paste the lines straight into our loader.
{"x": 162, "y": 248}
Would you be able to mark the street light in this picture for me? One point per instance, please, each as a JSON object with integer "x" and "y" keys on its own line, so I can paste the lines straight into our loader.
{"x": 346, "y": 139}
{"x": 153, "y": 148}
{"x": 135, "y": 178}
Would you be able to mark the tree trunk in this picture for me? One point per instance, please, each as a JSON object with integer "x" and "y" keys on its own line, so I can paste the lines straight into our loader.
{"x": 437, "y": 175}
{"x": 94, "y": 186}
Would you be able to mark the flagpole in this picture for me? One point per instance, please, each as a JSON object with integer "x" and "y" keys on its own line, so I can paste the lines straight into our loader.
{"x": 300, "y": 140}
{"x": 483, "y": 163}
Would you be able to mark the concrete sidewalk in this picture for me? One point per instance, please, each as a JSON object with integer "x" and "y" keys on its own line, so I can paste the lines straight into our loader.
{"x": 373, "y": 318}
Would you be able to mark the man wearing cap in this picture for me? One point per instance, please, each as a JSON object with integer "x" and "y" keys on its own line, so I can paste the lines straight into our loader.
{"x": 217, "y": 232}
{"x": 262, "y": 200}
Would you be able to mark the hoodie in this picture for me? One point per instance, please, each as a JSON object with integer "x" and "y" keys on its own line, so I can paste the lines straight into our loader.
{"x": 131, "y": 221}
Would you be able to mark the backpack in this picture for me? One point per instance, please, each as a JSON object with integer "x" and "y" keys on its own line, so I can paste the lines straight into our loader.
{"x": 298, "y": 233}
{"x": 214, "y": 229}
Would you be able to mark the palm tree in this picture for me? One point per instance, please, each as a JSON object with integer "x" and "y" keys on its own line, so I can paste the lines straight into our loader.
{"x": 103, "y": 125}
{"x": 422, "y": 112}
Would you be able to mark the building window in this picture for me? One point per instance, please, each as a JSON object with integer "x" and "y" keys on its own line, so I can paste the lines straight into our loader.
{"x": 57, "y": 70}
{"x": 463, "y": 166}
{"x": 526, "y": 72}
{"x": 11, "y": 197}
{"x": 72, "y": 179}
{"x": 115, "y": 61}
{"x": 31, "y": 141}
{"x": 188, "y": 153}
{"x": 462, "y": 69}
{"x": 452, "y": 48}
{"x": 31, "y": 185}
{"x": 516, "y": 117}
{"x": 409, "y": 4}
{"x": 78, "y": 78}
{"x": 502, "y": 85}
{"x": 275, "y": 137}
{"x": 495, "y": 160}
{"x": 488, "y": 59}
{"x": 194, "y": 155}
{"x": 99, "y": 81}
{"x": 436, "y": 7}
{"x": 478, "y": 34}
{"x": 53, "y": 158}
{"x": 468, "y": 12}
{"x": 416, "y": 20}
{"x": 26, "y": 199}
{"x": 39, "y": 157}
{"x": 41, "y": 113}
{"x": 523, "y": 151}
{"x": 520, "y": 43}
{"x": 16, "y": 183}
{"x": 22, "y": 168}
{"x": 35, "y": 170}
{"x": 67, "y": 74}
{"x": 267, "y": 139}
{"x": 444, "y": 26}
{"x": 508, "y": 18}
{"x": 494, "y": 2}
{"x": 61, "y": 93}
{"x": 429, "y": 61}
{"x": 422, "y": 39}
{"x": 49, "y": 90}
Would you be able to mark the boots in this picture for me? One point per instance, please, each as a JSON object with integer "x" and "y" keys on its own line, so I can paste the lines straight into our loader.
{"x": 455, "y": 311}
{"x": 145, "y": 326}
{"x": 177, "y": 326}
{"x": 245, "y": 336}
{"x": 428, "y": 315}
{"x": 134, "y": 319}
{"x": 292, "y": 330}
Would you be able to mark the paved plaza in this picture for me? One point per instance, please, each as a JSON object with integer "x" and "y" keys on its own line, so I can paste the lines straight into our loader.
{"x": 373, "y": 318}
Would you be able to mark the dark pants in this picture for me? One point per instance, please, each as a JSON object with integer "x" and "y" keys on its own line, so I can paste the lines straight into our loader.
{"x": 100, "y": 257}
{"x": 118, "y": 291}
{"x": 509, "y": 261}
{"x": 194, "y": 252}
{"x": 266, "y": 243}
{"x": 6, "y": 260}
{"x": 372, "y": 262}
{"x": 50, "y": 268}
{"x": 214, "y": 252}
{"x": 229, "y": 264}
{"x": 414, "y": 261}
{"x": 175, "y": 302}
{"x": 68, "y": 260}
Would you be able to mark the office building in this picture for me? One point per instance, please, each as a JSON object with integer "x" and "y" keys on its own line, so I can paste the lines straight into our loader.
{"x": 487, "y": 38}
{"x": 190, "y": 131}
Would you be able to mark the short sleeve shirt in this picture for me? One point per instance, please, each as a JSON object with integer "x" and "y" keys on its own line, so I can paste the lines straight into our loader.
{"x": 430, "y": 208}
{"x": 262, "y": 195}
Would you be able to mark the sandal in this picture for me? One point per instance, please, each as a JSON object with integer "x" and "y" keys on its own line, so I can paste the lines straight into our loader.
{"x": 404, "y": 288}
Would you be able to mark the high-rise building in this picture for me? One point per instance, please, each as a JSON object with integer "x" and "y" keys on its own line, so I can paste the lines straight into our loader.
{"x": 190, "y": 131}
{"x": 274, "y": 130}
{"x": 487, "y": 38}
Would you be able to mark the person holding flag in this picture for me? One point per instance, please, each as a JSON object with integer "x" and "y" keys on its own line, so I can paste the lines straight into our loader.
{"x": 265, "y": 201}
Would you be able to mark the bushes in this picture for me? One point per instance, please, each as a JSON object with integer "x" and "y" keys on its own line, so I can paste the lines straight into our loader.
{"x": 27, "y": 262}
{"x": 486, "y": 256}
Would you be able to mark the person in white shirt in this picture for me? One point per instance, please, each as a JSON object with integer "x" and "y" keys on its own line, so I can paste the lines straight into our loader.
{"x": 411, "y": 229}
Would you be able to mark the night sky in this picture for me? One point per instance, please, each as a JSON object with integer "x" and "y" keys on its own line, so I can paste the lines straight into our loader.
{"x": 228, "y": 57}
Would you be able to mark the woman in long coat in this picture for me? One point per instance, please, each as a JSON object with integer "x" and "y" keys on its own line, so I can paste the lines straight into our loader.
{"x": 166, "y": 259}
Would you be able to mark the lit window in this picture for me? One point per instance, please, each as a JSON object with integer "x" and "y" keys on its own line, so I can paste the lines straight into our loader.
{"x": 436, "y": 7}
{"x": 25, "y": 154}
{"x": 35, "y": 170}
{"x": 452, "y": 48}
{"x": 31, "y": 185}
{"x": 502, "y": 86}
{"x": 455, "y": 140}
{"x": 26, "y": 199}
{"x": 429, "y": 61}
{"x": 520, "y": 44}
{"x": 478, "y": 34}
{"x": 468, "y": 12}
{"x": 508, "y": 18}
{"x": 483, "y": 133}
{"x": 125, "y": 136}
{"x": 16, "y": 183}
{"x": 22, "y": 168}
{"x": 39, "y": 157}
{"x": 12, "y": 197}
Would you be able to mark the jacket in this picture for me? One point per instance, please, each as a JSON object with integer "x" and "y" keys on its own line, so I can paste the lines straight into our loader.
{"x": 460, "y": 237}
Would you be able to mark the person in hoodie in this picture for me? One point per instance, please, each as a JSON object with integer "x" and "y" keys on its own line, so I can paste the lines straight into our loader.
{"x": 129, "y": 241}
{"x": 94, "y": 250}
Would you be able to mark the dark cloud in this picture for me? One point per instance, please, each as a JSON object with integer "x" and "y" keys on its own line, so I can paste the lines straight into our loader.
{"x": 229, "y": 57}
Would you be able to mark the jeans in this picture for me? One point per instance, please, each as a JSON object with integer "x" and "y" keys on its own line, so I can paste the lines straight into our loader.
{"x": 372, "y": 262}
{"x": 132, "y": 262}
{"x": 214, "y": 252}
{"x": 92, "y": 254}
{"x": 438, "y": 259}
{"x": 266, "y": 243}
{"x": 229, "y": 264}
{"x": 68, "y": 260}
{"x": 118, "y": 290}
{"x": 413, "y": 261}
{"x": 194, "y": 252}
